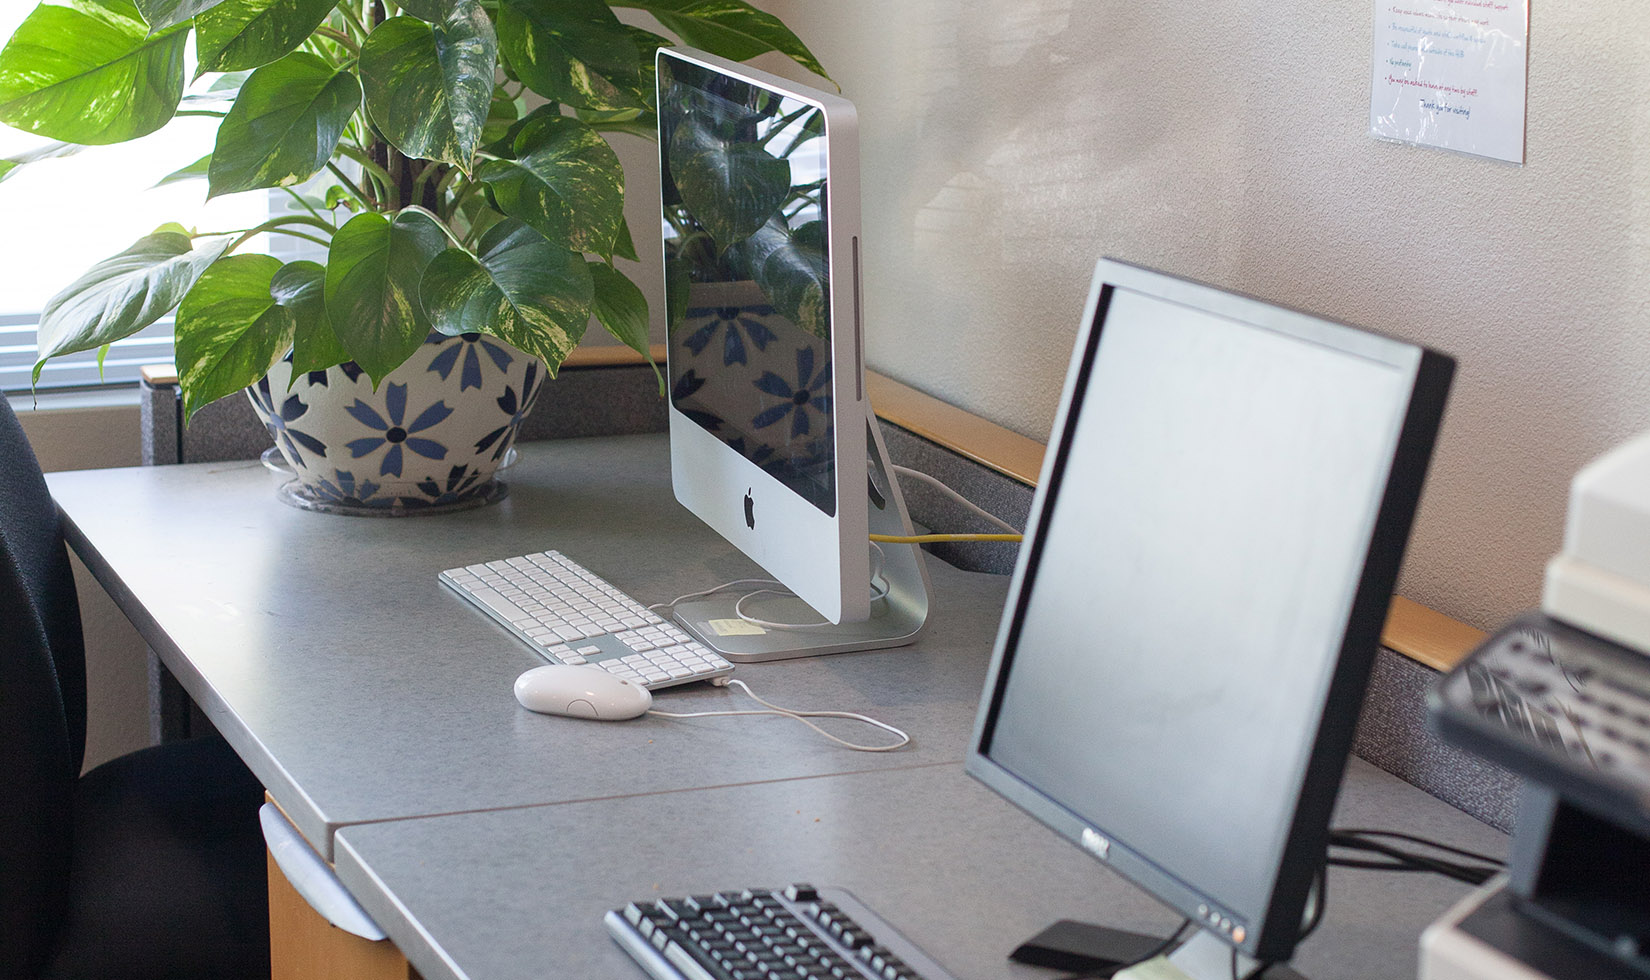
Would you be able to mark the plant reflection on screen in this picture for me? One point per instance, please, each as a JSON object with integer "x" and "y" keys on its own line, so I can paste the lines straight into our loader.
{"x": 744, "y": 196}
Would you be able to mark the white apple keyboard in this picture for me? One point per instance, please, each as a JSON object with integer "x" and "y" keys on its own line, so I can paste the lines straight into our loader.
{"x": 570, "y": 615}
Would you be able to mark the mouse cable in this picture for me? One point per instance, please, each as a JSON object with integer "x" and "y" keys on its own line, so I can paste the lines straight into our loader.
{"x": 972, "y": 507}
{"x": 802, "y": 716}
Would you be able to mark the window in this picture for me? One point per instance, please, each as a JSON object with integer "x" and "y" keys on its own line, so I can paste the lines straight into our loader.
{"x": 59, "y": 216}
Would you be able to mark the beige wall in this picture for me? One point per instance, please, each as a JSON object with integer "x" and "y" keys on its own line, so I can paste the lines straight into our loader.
{"x": 1008, "y": 143}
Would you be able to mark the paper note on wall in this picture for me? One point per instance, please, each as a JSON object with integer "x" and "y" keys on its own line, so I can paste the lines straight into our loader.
{"x": 1451, "y": 74}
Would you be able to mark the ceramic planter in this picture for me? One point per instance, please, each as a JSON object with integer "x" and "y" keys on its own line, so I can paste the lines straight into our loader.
{"x": 429, "y": 439}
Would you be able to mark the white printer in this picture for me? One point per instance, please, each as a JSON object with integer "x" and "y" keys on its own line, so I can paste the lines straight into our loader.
{"x": 1562, "y": 698}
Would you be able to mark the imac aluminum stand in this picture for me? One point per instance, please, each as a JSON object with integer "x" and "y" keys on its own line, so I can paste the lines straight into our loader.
{"x": 896, "y": 618}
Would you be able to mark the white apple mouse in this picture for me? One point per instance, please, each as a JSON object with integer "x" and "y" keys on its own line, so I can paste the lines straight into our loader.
{"x": 581, "y": 692}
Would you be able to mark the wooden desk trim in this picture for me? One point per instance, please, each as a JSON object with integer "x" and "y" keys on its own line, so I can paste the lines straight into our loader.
{"x": 1422, "y": 634}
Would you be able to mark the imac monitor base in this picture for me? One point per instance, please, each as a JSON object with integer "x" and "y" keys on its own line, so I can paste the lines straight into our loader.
{"x": 896, "y": 618}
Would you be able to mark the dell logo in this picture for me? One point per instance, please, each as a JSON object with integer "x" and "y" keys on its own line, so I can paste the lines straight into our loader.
{"x": 1095, "y": 844}
{"x": 750, "y": 511}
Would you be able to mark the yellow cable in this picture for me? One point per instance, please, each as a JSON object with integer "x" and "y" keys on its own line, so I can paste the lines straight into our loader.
{"x": 930, "y": 538}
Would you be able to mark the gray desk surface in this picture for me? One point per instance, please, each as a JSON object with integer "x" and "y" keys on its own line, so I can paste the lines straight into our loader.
{"x": 376, "y": 708}
{"x": 518, "y": 894}
{"x": 357, "y": 688}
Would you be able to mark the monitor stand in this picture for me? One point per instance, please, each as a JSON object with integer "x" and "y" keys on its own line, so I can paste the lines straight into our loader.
{"x": 895, "y": 619}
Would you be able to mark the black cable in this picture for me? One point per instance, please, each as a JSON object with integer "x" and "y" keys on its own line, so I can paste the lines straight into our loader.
{"x": 1461, "y": 872}
{"x": 1372, "y": 865}
{"x": 1421, "y": 863}
{"x": 1363, "y": 832}
{"x": 1403, "y": 860}
{"x": 1163, "y": 946}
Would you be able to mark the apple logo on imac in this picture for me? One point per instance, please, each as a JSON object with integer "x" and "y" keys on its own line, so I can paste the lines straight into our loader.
{"x": 750, "y": 510}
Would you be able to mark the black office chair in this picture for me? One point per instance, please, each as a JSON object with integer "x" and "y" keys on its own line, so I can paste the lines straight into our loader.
{"x": 152, "y": 864}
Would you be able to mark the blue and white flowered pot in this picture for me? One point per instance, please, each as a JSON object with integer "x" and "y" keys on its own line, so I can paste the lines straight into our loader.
{"x": 431, "y": 436}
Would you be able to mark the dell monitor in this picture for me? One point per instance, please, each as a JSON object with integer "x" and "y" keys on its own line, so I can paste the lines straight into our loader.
{"x": 1199, "y": 599}
{"x": 771, "y": 435}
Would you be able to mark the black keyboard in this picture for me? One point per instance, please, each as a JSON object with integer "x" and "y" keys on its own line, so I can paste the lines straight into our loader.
{"x": 798, "y": 933}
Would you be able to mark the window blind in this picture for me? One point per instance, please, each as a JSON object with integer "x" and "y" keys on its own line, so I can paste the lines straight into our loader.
{"x": 152, "y": 345}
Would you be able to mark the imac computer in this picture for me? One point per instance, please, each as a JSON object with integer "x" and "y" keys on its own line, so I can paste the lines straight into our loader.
{"x": 1198, "y": 602}
{"x": 771, "y": 436}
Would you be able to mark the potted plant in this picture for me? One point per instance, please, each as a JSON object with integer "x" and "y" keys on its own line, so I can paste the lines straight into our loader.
{"x": 473, "y": 213}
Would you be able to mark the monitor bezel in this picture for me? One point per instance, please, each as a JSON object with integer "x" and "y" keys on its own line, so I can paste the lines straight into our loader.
{"x": 821, "y": 557}
{"x": 1272, "y": 932}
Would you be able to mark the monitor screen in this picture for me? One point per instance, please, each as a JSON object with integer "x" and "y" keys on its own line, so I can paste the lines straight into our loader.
{"x": 1197, "y": 595}
{"x": 747, "y": 268}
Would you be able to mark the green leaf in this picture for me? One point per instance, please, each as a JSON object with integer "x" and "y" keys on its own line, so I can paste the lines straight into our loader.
{"x": 372, "y": 286}
{"x": 229, "y": 329}
{"x": 300, "y": 288}
{"x": 572, "y": 51}
{"x": 623, "y": 245}
{"x": 620, "y": 306}
{"x": 521, "y": 288}
{"x": 239, "y": 34}
{"x": 228, "y": 84}
{"x": 479, "y": 215}
{"x": 124, "y": 293}
{"x": 505, "y": 145}
{"x": 502, "y": 114}
{"x": 567, "y": 183}
{"x": 636, "y": 122}
{"x": 729, "y": 185}
{"x": 338, "y": 194}
{"x": 791, "y": 270}
{"x": 194, "y": 171}
{"x": 285, "y": 125}
{"x": 434, "y": 11}
{"x": 51, "y": 151}
{"x": 89, "y": 72}
{"x": 622, "y": 309}
{"x": 430, "y": 89}
{"x": 162, "y": 14}
{"x": 730, "y": 28}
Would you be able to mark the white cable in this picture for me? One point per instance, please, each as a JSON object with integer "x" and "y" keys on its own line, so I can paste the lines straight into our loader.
{"x": 739, "y": 610}
{"x": 802, "y": 716}
{"x": 712, "y": 591}
{"x": 974, "y": 508}
{"x": 876, "y": 593}
{"x": 880, "y": 562}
